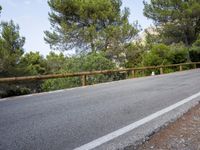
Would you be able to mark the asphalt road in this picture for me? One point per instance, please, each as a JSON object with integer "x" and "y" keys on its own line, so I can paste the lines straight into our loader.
{"x": 70, "y": 118}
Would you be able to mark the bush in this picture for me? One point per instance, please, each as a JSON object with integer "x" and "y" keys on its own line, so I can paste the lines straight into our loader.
{"x": 57, "y": 84}
{"x": 13, "y": 90}
{"x": 195, "y": 51}
{"x": 195, "y": 54}
{"x": 161, "y": 54}
{"x": 158, "y": 55}
{"x": 89, "y": 62}
{"x": 178, "y": 53}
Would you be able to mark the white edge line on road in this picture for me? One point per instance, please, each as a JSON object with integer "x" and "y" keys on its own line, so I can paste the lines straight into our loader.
{"x": 134, "y": 125}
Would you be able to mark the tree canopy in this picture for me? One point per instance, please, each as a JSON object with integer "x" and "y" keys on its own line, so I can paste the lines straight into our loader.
{"x": 88, "y": 25}
{"x": 11, "y": 49}
{"x": 178, "y": 20}
{"x": 33, "y": 63}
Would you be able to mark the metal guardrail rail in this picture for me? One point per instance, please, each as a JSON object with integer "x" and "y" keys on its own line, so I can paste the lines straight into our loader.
{"x": 84, "y": 75}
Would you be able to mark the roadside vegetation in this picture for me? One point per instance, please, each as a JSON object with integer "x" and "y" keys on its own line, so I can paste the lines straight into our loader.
{"x": 103, "y": 38}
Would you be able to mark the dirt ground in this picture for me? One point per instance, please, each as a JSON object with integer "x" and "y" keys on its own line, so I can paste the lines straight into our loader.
{"x": 184, "y": 134}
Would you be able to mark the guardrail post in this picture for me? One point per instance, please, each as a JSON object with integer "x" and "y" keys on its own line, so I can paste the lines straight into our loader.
{"x": 143, "y": 72}
{"x": 133, "y": 73}
{"x": 181, "y": 68}
{"x": 84, "y": 80}
{"x": 161, "y": 70}
{"x": 126, "y": 74}
{"x": 195, "y": 66}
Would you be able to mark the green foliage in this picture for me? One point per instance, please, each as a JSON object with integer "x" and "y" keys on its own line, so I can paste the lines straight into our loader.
{"x": 13, "y": 90}
{"x": 55, "y": 62}
{"x": 95, "y": 62}
{"x": 195, "y": 51}
{"x": 13, "y": 63}
{"x": 11, "y": 49}
{"x": 151, "y": 38}
{"x": 57, "y": 84}
{"x": 118, "y": 39}
{"x": 88, "y": 25}
{"x": 77, "y": 23}
{"x": 158, "y": 55}
{"x": 79, "y": 63}
{"x": 133, "y": 55}
{"x": 161, "y": 54}
{"x": 178, "y": 20}
{"x": 169, "y": 70}
{"x": 178, "y": 53}
{"x": 33, "y": 64}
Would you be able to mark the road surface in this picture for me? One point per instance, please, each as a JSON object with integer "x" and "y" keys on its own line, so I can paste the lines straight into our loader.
{"x": 68, "y": 119}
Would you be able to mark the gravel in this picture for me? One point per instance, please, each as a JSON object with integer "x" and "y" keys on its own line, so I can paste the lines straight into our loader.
{"x": 183, "y": 134}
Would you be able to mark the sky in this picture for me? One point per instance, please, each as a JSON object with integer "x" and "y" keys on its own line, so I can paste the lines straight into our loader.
{"x": 32, "y": 17}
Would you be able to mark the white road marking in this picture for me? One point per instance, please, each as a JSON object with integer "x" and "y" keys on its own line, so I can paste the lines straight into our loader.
{"x": 134, "y": 125}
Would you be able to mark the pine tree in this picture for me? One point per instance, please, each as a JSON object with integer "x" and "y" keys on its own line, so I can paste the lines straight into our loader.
{"x": 178, "y": 20}
{"x": 87, "y": 25}
{"x": 11, "y": 49}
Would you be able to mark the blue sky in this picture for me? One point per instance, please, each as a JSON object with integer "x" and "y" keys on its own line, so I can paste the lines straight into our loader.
{"x": 32, "y": 17}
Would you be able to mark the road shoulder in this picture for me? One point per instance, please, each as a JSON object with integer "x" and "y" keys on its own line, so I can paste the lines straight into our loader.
{"x": 182, "y": 134}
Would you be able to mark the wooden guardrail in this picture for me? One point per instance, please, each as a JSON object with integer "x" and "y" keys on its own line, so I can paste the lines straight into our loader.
{"x": 84, "y": 75}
